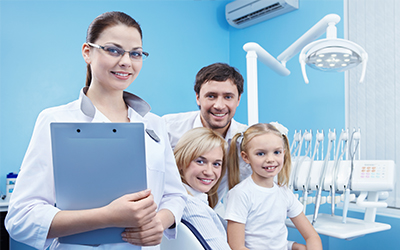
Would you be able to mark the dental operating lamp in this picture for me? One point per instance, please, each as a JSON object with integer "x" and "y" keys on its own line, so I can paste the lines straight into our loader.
{"x": 329, "y": 54}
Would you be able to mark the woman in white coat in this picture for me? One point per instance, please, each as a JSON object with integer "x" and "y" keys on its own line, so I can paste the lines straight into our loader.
{"x": 114, "y": 56}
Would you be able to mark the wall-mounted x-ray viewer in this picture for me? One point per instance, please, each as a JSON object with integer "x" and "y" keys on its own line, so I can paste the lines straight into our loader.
{"x": 329, "y": 54}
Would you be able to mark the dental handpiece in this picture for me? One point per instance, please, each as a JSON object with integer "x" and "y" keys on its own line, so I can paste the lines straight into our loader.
{"x": 298, "y": 149}
{"x": 346, "y": 204}
{"x": 332, "y": 138}
{"x": 319, "y": 138}
{"x": 296, "y": 140}
{"x": 299, "y": 162}
{"x": 343, "y": 137}
{"x": 354, "y": 137}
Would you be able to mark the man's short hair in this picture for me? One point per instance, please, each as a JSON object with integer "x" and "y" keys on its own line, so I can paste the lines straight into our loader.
{"x": 218, "y": 72}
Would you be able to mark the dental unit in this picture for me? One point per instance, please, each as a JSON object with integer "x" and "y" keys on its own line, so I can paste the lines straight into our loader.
{"x": 371, "y": 180}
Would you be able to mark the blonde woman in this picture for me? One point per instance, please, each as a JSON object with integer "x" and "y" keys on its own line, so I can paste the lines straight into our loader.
{"x": 201, "y": 159}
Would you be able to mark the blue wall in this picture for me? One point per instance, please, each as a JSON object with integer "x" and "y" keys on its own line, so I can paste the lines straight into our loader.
{"x": 41, "y": 66}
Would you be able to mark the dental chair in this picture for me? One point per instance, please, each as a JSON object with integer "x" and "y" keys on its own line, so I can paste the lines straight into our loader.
{"x": 187, "y": 238}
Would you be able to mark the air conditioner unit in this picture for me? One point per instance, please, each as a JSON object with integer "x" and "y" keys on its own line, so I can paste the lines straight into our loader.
{"x": 243, "y": 13}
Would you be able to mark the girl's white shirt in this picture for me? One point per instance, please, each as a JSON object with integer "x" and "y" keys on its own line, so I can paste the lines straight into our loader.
{"x": 264, "y": 212}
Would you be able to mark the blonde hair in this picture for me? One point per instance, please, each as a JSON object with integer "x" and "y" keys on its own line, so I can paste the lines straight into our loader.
{"x": 246, "y": 137}
{"x": 193, "y": 144}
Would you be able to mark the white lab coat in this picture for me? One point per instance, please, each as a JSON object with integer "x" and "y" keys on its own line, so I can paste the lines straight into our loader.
{"x": 31, "y": 208}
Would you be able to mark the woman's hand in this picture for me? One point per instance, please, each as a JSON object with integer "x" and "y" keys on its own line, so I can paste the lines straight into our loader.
{"x": 146, "y": 235}
{"x": 150, "y": 234}
{"x": 132, "y": 210}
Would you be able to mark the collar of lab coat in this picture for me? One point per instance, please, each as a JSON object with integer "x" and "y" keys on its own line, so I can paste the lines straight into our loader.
{"x": 234, "y": 127}
{"x": 197, "y": 121}
{"x": 200, "y": 195}
{"x": 134, "y": 102}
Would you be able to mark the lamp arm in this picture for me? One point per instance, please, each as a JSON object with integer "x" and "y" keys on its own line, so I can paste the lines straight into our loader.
{"x": 252, "y": 88}
{"x": 313, "y": 33}
{"x": 266, "y": 58}
{"x": 279, "y": 64}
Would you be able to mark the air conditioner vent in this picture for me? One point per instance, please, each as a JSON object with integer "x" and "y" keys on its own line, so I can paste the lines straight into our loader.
{"x": 258, "y": 13}
{"x": 244, "y": 13}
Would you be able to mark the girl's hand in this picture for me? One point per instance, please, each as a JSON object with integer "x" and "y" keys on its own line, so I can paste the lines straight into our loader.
{"x": 146, "y": 235}
{"x": 303, "y": 225}
{"x": 297, "y": 246}
{"x": 132, "y": 210}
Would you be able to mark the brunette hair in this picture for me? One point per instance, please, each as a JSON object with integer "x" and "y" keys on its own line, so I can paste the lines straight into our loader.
{"x": 246, "y": 137}
{"x": 193, "y": 144}
{"x": 219, "y": 72}
{"x": 102, "y": 22}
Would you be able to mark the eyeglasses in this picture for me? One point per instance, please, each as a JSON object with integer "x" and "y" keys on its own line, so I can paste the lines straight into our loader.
{"x": 118, "y": 52}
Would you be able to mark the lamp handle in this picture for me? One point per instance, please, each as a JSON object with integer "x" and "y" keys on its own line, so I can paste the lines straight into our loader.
{"x": 364, "y": 69}
{"x": 302, "y": 60}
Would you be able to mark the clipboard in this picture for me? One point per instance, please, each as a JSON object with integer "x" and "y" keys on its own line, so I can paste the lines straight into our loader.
{"x": 95, "y": 163}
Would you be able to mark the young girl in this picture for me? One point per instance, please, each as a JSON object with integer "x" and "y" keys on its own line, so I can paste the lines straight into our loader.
{"x": 258, "y": 207}
{"x": 114, "y": 56}
{"x": 200, "y": 156}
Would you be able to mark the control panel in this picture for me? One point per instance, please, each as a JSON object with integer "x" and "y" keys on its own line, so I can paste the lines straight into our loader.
{"x": 373, "y": 176}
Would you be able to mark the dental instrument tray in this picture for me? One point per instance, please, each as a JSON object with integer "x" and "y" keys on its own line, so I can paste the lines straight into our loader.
{"x": 332, "y": 226}
{"x": 95, "y": 163}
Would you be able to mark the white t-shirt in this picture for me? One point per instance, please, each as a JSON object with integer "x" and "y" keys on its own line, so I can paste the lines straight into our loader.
{"x": 263, "y": 211}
